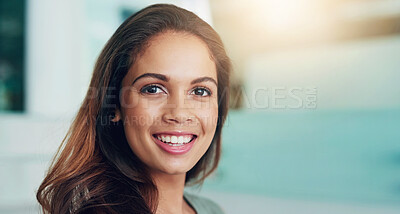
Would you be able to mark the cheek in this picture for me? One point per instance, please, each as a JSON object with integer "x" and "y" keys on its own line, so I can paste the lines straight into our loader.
{"x": 137, "y": 122}
{"x": 209, "y": 117}
{"x": 138, "y": 119}
{"x": 142, "y": 116}
{"x": 137, "y": 111}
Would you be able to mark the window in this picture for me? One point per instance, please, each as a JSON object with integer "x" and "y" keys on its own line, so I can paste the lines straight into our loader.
{"x": 12, "y": 48}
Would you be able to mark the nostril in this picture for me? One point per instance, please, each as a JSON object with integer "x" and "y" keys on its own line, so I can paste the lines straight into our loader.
{"x": 178, "y": 119}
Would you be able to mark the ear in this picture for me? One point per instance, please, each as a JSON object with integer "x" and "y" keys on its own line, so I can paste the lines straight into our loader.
{"x": 117, "y": 116}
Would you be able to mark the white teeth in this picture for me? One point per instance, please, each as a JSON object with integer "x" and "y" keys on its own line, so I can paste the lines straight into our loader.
{"x": 186, "y": 139}
{"x": 174, "y": 139}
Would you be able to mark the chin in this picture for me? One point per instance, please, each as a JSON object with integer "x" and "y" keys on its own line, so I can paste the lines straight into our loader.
{"x": 172, "y": 171}
{"x": 175, "y": 169}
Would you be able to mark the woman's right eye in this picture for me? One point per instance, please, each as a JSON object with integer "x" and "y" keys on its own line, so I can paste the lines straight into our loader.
{"x": 151, "y": 89}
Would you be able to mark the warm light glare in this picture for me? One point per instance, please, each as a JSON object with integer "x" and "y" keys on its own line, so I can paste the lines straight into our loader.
{"x": 291, "y": 18}
{"x": 285, "y": 14}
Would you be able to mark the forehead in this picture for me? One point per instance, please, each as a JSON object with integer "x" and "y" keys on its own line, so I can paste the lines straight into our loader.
{"x": 180, "y": 56}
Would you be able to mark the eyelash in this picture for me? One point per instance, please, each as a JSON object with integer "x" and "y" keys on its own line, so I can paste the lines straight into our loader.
{"x": 143, "y": 90}
{"x": 204, "y": 89}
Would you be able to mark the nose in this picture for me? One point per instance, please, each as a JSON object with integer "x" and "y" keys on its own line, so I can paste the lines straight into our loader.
{"x": 178, "y": 110}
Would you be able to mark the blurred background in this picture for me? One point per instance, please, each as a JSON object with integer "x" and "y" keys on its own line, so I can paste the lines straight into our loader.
{"x": 314, "y": 125}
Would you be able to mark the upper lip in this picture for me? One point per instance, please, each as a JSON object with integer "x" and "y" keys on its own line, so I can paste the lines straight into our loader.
{"x": 176, "y": 133}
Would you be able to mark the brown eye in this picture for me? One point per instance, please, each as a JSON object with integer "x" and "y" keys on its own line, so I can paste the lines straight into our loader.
{"x": 151, "y": 89}
{"x": 203, "y": 92}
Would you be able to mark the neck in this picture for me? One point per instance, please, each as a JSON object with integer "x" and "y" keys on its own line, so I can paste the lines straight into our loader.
{"x": 170, "y": 192}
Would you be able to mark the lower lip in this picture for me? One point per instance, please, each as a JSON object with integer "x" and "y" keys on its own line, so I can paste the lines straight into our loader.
{"x": 175, "y": 150}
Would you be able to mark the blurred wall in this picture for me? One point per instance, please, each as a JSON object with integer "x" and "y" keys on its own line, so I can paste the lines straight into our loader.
{"x": 361, "y": 74}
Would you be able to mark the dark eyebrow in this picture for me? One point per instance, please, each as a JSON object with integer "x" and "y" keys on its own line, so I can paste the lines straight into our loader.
{"x": 154, "y": 75}
{"x": 204, "y": 79}
{"x": 166, "y": 79}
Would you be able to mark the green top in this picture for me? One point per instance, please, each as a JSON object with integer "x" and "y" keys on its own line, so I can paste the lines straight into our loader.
{"x": 202, "y": 205}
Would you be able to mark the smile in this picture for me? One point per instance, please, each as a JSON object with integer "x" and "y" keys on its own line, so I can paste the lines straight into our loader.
{"x": 174, "y": 140}
{"x": 175, "y": 143}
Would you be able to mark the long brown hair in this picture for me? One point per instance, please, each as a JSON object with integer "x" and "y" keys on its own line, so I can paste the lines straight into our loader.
{"x": 94, "y": 170}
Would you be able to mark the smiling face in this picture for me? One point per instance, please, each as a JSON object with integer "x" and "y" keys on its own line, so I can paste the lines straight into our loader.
{"x": 169, "y": 102}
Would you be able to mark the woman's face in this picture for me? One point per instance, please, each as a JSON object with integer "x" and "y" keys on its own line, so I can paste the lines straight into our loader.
{"x": 169, "y": 103}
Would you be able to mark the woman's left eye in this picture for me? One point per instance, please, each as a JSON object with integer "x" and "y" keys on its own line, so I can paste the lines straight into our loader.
{"x": 203, "y": 92}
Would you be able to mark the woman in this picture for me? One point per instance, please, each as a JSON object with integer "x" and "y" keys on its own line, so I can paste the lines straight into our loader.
{"x": 150, "y": 123}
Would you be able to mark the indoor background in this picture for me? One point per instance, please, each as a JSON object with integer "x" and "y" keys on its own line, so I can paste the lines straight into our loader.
{"x": 314, "y": 125}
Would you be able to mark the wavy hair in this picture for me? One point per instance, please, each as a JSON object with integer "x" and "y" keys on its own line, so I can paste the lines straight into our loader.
{"x": 94, "y": 169}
